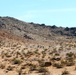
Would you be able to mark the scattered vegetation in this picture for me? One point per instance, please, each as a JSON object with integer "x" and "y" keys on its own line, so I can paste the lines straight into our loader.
{"x": 65, "y": 72}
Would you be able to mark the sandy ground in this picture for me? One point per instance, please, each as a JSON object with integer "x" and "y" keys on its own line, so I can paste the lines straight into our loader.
{"x": 31, "y": 54}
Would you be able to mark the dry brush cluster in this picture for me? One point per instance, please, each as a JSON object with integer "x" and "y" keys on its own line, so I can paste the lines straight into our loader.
{"x": 26, "y": 59}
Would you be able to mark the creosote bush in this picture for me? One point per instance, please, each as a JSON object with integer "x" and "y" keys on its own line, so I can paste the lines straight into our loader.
{"x": 65, "y": 72}
{"x": 9, "y": 68}
{"x": 42, "y": 70}
{"x": 16, "y": 61}
{"x": 2, "y": 66}
{"x": 58, "y": 65}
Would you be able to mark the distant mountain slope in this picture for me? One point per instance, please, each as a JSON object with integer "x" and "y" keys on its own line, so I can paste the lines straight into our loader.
{"x": 32, "y": 30}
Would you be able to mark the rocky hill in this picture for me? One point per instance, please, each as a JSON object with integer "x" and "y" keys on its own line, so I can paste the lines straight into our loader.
{"x": 34, "y": 31}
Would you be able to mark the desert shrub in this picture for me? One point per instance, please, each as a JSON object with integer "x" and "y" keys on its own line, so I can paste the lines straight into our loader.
{"x": 65, "y": 72}
{"x": 9, "y": 68}
{"x": 7, "y": 55}
{"x": 56, "y": 58}
{"x": 67, "y": 29}
{"x": 58, "y": 65}
{"x": 70, "y": 63}
{"x": 33, "y": 67}
{"x": 16, "y": 61}
{"x": 70, "y": 59}
{"x": 23, "y": 67}
{"x": 70, "y": 55}
{"x": 63, "y": 62}
{"x": 2, "y": 66}
{"x": 45, "y": 64}
{"x": 67, "y": 63}
{"x": 42, "y": 70}
{"x": 53, "y": 26}
{"x": 42, "y": 25}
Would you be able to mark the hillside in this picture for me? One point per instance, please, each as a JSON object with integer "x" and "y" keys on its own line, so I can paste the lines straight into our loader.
{"x": 36, "y": 49}
{"x": 34, "y": 31}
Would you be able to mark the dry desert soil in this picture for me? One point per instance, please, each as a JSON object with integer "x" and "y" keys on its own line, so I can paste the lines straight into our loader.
{"x": 36, "y": 49}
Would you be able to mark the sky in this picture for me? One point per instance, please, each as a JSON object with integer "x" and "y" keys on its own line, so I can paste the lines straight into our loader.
{"x": 49, "y": 12}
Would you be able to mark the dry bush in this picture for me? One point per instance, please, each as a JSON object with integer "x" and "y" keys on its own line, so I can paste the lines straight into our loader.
{"x": 43, "y": 63}
{"x": 70, "y": 59}
{"x": 2, "y": 66}
{"x": 57, "y": 65}
{"x": 16, "y": 61}
{"x": 33, "y": 67}
{"x": 65, "y": 72}
{"x": 42, "y": 70}
{"x": 9, "y": 68}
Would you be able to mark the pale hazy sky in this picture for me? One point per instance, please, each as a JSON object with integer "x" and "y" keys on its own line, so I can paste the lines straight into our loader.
{"x": 49, "y": 12}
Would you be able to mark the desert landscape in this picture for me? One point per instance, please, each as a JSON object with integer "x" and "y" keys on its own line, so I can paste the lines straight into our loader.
{"x": 36, "y": 49}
